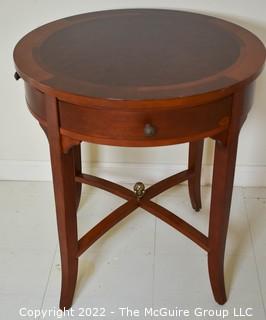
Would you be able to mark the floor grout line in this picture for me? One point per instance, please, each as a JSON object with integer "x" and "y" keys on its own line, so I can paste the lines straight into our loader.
{"x": 154, "y": 260}
{"x": 254, "y": 252}
{"x": 48, "y": 278}
{"x": 254, "y": 198}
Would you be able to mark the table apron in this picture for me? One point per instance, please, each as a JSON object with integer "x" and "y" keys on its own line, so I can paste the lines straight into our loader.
{"x": 120, "y": 127}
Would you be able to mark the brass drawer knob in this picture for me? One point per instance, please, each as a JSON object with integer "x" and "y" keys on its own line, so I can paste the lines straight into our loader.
{"x": 149, "y": 130}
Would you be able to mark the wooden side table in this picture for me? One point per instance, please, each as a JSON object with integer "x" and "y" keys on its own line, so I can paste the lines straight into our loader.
{"x": 140, "y": 77}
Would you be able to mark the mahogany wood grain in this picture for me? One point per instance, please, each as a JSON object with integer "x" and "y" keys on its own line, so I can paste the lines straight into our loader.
{"x": 171, "y": 125}
{"x": 106, "y": 224}
{"x": 78, "y": 170}
{"x": 222, "y": 186}
{"x": 122, "y": 61}
{"x": 194, "y": 164}
{"x": 144, "y": 202}
{"x": 176, "y": 222}
{"x": 142, "y": 78}
{"x": 167, "y": 183}
{"x": 105, "y": 185}
{"x": 63, "y": 168}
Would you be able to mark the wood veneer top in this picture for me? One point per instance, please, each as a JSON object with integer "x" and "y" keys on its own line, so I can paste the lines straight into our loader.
{"x": 138, "y": 54}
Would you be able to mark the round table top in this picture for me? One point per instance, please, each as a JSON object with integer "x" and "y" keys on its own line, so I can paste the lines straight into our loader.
{"x": 138, "y": 54}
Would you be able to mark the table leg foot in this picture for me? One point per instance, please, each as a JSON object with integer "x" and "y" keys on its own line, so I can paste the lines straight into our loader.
{"x": 194, "y": 164}
{"x": 216, "y": 275}
{"x": 68, "y": 284}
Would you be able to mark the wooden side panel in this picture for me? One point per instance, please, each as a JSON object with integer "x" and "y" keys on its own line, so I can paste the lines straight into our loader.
{"x": 247, "y": 101}
{"x": 36, "y": 102}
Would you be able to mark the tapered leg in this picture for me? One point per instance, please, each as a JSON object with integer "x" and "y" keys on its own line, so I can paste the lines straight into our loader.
{"x": 78, "y": 169}
{"x": 223, "y": 177}
{"x": 194, "y": 164}
{"x": 63, "y": 168}
{"x": 222, "y": 187}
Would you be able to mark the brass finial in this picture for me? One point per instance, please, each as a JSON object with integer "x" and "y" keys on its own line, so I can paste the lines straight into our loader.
{"x": 139, "y": 189}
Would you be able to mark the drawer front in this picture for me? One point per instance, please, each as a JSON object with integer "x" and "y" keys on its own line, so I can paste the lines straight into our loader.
{"x": 148, "y": 127}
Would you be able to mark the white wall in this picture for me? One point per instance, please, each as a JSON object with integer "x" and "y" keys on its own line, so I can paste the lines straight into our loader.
{"x": 23, "y": 146}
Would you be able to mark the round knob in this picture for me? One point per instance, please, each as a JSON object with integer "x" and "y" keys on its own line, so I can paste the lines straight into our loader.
{"x": 16, "y": 76}
{"x": 139, "y": 189}
{"x": 149, "y": 130}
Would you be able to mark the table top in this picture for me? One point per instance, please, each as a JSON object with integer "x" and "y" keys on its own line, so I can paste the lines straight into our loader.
{"x": 138, "y": 54}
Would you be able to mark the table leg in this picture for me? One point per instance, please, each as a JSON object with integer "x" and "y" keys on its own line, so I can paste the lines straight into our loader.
{"x": 63, "y": 169}
{"x": 78, "y": 169}
{"x": 194, "y": 164}
{"x": 222, "y": 186}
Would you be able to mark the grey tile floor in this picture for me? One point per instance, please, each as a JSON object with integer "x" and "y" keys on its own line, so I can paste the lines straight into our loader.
{"x": 140, "y": 263}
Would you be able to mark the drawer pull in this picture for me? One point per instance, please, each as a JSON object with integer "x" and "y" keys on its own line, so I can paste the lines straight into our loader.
{"x": 149, "y": 130}
{"x": 16, "y": 76}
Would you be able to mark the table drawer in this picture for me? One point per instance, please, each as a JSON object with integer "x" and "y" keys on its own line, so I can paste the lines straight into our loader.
{"x": 144, "y": 127}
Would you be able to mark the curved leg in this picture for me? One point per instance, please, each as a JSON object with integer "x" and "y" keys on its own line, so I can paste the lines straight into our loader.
{"x": 67, "y": 227}
{"x": 194, "y": 164}
{"x": 63, "y": 168}
{"x": 78, "y": 169}
{"x": 223, "y": 177}
{"x": 222, "y": 187}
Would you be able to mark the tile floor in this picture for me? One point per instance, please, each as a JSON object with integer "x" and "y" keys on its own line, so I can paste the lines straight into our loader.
{"x": 140, "y": 263}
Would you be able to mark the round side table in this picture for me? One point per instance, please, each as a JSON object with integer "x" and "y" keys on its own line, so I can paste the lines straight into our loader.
{"x": 142, "y": 78}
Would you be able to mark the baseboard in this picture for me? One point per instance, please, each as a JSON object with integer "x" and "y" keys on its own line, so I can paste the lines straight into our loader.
{"x": 253, "y": 176}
